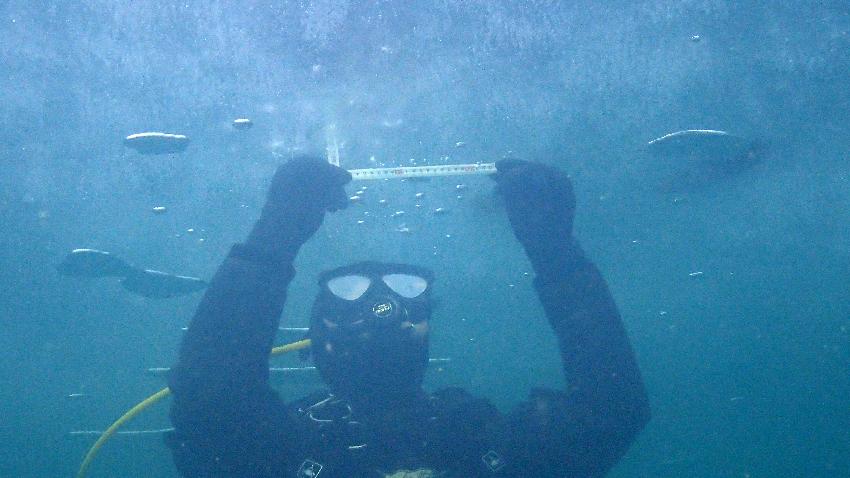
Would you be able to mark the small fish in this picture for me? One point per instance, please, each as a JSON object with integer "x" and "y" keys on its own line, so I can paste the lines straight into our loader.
{"x": 691, "y": 159}
{"x": 160, "y": 285}
{"x": 157, "y": 143}
{"x": 242, "y": 123}
{"x": 93, "y": 263}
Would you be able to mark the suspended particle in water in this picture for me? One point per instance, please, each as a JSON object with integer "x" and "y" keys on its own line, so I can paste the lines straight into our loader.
{"x": 159, "y": 210}
{"x": 420, "y": 195}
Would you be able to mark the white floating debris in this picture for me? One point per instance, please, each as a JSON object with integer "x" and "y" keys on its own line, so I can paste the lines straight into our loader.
{"x": 695, "y": 274}
{"x": 397, "y": 214}
{"x": 354, "y": 198}
{"x": 382, "y": 202}
{"x": 695, "y": 38}
{"x": 190, "y": 230}
{"x": 460, "y": 196}
{"x": 361, "y": 222}
{"x": 403, "y": 229}
{"x": 159, "y": 210}
{"x": 420, "y": 195}
{"x": 157, "y": 143}
{"x": 460, "y": 187}
{"x": 242, "y": 123}
{"x": 440, "y": 211}
{"x": 460, "y": 144}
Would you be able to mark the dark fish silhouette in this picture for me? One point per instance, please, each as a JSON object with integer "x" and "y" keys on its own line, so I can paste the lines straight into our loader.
{"x": 695, "y": 158}
{"x": 147, "y": 283}
{"x": 93, "y": 263}
{"x": 160, "y": 285}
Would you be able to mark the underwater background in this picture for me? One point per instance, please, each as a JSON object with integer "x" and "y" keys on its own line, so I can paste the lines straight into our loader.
{"x": 734, "y": 290}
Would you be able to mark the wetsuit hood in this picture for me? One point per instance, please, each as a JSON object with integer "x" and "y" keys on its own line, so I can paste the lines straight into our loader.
{"x": 377, "y": 342}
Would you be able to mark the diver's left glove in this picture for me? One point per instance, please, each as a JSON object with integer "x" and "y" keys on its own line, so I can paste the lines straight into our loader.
{"x": 541, "y": 205}
{"x": 301, "y": 192}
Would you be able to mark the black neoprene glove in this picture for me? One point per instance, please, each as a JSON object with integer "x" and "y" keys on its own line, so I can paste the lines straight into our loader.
{"x": 302, "y": 190}
{"x": 541, "y": 205}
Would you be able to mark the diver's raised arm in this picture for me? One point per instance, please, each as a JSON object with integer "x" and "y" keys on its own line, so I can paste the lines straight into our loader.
{"x": 586, "y": 429}
{"x": 231, "y": 333}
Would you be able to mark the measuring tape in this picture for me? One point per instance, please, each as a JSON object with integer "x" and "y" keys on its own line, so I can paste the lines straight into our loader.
{"x": 332, "y": 149}
{"x": 423, "y": 171}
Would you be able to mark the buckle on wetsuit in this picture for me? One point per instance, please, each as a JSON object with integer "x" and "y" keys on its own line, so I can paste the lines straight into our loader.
{"x": 494, "y": 461}
{"x": 309, "y": 469}
{"x": 332, "y": 414}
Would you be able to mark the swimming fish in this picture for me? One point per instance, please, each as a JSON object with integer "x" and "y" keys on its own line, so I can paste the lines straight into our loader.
{"x": 242, "y": 123}
{"x": 695, "y": 158}
{"x": 160, "y": 285}
{"x": 157, "y": 143}
{"x": 93, "y": 263}
{"x": 147, "y": 283}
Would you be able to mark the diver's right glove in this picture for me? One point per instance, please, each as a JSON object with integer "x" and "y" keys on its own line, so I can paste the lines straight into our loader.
{"x": 541, "y": 205}
{"x": 302, "y": 190}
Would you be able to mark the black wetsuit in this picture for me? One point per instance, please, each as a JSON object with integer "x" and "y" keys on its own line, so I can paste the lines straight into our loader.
{"x": 230, "y": 423}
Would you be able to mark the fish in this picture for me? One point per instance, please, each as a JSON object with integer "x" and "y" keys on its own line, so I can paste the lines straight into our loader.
{"x": 93, "y": 263}
{"x": 157, "y": 143}
{"x": 696, "y": 158}
{"x": 242, "y": 123}
{"x": 160, "y": 285}
{"x": 719, "y": 144}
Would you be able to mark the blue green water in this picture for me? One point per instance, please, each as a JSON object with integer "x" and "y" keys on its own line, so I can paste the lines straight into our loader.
{"x": 746, "y": 364}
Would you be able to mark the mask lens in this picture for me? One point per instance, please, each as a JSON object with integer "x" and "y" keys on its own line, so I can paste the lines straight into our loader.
{"x": 349, "y": 287}
{"x": 405, "y": 285}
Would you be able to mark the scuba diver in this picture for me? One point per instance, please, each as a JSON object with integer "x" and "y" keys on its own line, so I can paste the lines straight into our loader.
{"x": 369, "y": 333}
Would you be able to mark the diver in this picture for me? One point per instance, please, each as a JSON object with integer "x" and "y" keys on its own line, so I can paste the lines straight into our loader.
{"x": 369, "y": 332}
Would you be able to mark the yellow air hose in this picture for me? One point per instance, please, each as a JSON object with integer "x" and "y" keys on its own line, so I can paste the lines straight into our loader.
{"x": 144, "y": 404}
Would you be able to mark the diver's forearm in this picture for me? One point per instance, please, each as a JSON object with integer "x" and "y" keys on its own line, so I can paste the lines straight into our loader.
{"x": 597, "y": 358}
{"x": 227, "y": 344}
